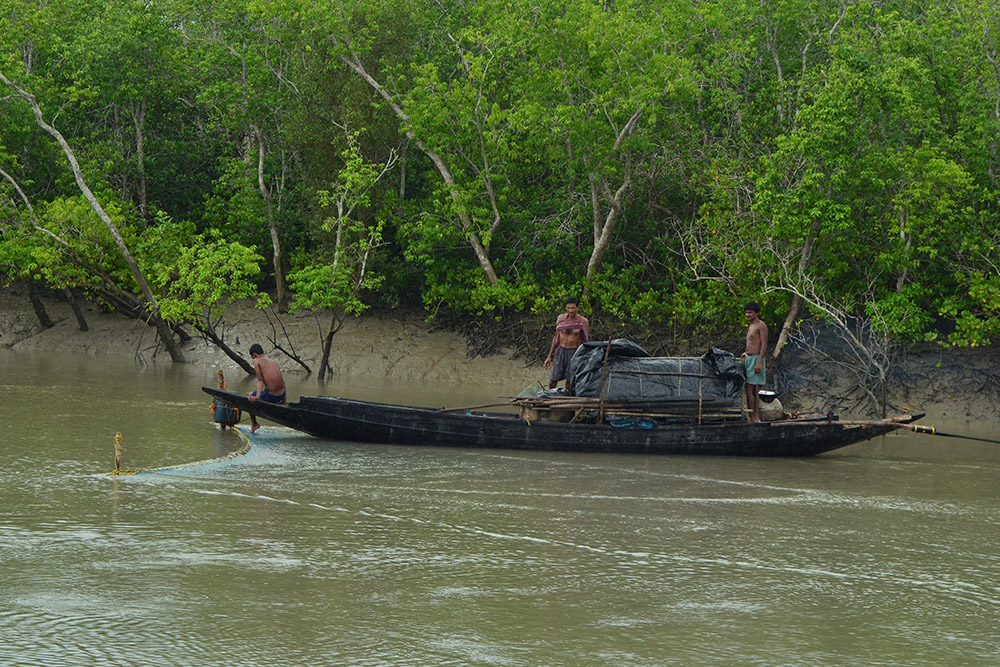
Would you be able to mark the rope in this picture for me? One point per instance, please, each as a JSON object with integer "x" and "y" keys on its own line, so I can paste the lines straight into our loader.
{"x": 930, "y": 430}
{"x": 920, "y": 428}
{"x": 232, "y": 455}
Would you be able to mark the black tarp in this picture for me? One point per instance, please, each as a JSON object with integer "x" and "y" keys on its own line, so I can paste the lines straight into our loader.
{"x": 716, "y": 378}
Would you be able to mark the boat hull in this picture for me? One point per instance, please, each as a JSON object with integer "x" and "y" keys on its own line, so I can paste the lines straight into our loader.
{"x": 364, "y": 421}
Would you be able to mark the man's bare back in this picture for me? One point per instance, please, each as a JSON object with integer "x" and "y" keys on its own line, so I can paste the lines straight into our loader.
{"x": 270, "y": 382}
{"x": 269, "y": 373}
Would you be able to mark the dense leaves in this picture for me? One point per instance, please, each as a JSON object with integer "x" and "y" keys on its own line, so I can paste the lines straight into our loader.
{"x": 666, "y": 160}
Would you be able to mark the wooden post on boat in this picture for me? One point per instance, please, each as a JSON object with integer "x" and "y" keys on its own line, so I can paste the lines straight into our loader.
{"x": 604, "y": 379}
{"x": 701, "y": 375}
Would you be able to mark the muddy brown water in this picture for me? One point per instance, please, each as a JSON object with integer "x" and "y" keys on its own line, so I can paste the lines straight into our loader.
{"x": 310, "y": 552}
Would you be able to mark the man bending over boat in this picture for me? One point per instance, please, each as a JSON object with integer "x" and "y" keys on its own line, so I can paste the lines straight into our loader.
{"x": 753, "y": 358}
{"x": 270, "y": 383}
{"x": 572, "y": 331}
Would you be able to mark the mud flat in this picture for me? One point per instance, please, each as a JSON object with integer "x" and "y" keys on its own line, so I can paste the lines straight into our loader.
{"x": 399, "y": 346}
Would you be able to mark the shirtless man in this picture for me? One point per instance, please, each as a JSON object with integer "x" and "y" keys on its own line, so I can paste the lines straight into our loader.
{"x": 753, "y": 358}
{"x": 572, "y": 331}
{"x": 270, "y": 383}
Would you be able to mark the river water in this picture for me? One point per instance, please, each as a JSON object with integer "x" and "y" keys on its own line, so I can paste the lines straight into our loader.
{"x": 309, "y": 552}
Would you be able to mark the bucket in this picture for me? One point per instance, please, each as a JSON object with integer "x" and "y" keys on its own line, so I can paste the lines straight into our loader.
{"x": 226, "y": 414}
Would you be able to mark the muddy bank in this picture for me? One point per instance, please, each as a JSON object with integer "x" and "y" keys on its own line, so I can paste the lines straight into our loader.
{"x": 400, "y": 345}
{"x": 956, "y": 386}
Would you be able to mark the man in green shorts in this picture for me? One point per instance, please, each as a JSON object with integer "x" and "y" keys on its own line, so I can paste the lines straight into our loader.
{"x": 753, "y": 358}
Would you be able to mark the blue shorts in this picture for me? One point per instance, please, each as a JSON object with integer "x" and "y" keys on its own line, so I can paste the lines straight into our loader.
{"x": 749, "y": 363}
{"x": 268, "y": 397}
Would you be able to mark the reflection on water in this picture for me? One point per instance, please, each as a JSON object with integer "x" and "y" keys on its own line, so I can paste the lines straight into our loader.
{"x": 308, "y": 552}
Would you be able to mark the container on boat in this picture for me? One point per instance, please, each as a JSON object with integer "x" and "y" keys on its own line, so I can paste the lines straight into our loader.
{"x": 226, "y": 414}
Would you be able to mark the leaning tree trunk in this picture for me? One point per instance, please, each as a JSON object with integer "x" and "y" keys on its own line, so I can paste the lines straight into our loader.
{"x": 36, "y": 303}
{"x": 324, "y": 365}
{"x": 786, "y": 328}
{"x": 229, "y": 352}
{"x": 793, "y": 311}
{"x": 603, "y": 229}
{"x": 81, "y": 321}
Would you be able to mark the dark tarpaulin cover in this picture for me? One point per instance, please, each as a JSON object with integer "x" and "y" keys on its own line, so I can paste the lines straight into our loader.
{"x": 716, "y": 377}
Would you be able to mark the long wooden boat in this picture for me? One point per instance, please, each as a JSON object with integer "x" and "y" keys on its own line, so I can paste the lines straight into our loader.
{"x": 345, "y": 419}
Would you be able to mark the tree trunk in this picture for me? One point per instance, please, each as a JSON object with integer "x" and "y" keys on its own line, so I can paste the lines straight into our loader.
{"x": 81, "y": 321}
{"x": 793, "y": 312}
{"x": 138, "y": 121}
{"x": 337, "y": 318}
{"x": 603, "y": 230}
{"x": 36, "y": 303}
{"x": 229, "y": 352}
{"x": 786, "y": 328}
{"x": 268, "y": 195}
{"x": 324, "y": 365}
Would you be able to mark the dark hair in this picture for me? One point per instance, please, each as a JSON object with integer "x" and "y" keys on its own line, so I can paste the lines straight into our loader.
{"x": 256, "y": 349}
{"x": 573, "y": 300}
{"x": 752, "y": 305}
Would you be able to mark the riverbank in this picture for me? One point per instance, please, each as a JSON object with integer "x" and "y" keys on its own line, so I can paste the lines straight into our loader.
{"x": 400, "y": 346}
{"x": 952, "y": 386}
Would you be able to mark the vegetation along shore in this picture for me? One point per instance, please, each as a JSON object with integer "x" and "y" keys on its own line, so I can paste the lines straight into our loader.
{"x": 201, "y": 167}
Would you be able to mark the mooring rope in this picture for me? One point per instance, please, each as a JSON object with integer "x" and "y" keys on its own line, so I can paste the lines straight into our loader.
{"x": 232, "y": 455}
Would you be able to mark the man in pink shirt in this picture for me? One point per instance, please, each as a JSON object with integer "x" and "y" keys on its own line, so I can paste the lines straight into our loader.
{"x": 572, "y": 331}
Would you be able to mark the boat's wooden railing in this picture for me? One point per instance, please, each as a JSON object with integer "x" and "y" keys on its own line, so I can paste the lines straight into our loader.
{"x": 575, "y": 408}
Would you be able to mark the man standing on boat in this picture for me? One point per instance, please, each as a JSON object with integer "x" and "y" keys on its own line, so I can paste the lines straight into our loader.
{"x": 270, "y": 382}
{"x": 753, "y": 358}
{"x": 572, "y": 331}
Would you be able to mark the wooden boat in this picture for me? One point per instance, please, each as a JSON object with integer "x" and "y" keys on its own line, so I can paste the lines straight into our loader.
{"x": 352, "y": 420}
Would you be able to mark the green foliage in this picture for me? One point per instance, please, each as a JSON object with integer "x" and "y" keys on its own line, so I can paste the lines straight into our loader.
{"x": 846, "y": 152}
{"x": 159, "y": 248}
{"x": 976, "y": 312}
{"x": 695, "y": 307}
{"x": 340, "y": 272}
{"x": 78, "y": 250}
{"x": 209, "y": 273}
{"x": 235, "y": 206}
{"x": 325, "y": 287}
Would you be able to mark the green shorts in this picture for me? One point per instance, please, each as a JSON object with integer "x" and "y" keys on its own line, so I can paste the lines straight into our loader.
{"x": 749, "y": 363}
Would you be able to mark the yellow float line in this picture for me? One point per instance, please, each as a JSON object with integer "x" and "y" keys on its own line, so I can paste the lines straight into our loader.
{"x": 232, "y": 455}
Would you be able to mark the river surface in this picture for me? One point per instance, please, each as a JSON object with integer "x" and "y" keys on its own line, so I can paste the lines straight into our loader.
{"x": 310, "y": 552}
